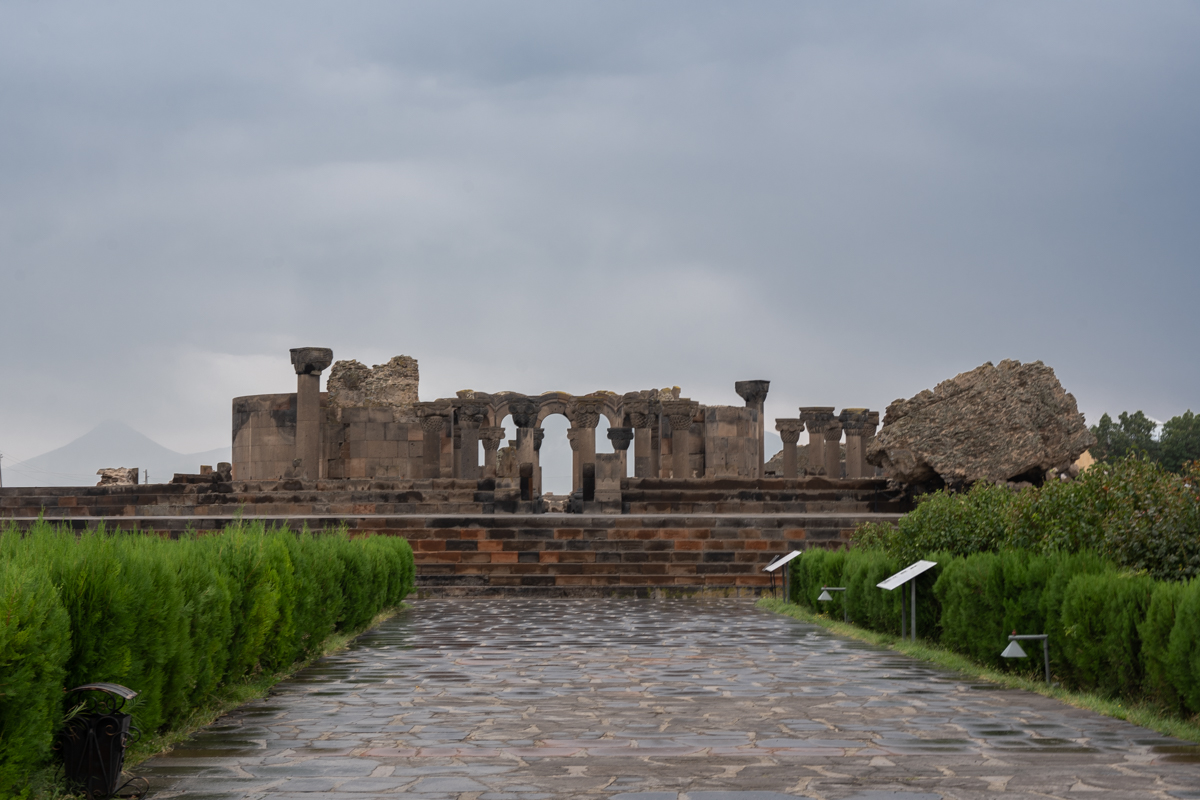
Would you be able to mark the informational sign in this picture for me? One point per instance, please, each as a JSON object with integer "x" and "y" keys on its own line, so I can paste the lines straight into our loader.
{"x": 907, "y": 574}
{"x": 779, "y": 562}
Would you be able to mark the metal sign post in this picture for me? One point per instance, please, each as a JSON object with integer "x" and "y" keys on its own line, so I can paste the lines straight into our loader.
{"x": 775, "y": 565}
{"x": 908, "y": 575}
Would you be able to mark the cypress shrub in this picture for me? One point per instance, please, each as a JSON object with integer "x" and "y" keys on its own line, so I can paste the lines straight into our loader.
{"x": 867, "y": 604}
{"x": 1064, "y": 568}
{"x": 1183, "y": 649}
{"x": 35, "y": 642}
{"x": 972, "y": 615}
{"x": 1101, "y": 617}
{"x": 173, "y": 620}
{"x": 1155, "y": 633}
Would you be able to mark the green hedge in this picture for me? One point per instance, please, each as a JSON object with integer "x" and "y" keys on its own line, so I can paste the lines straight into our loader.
{"x": 173, "y": 619}
{"x": 1119, "y": 633}
{"x": 1134, "y": 513}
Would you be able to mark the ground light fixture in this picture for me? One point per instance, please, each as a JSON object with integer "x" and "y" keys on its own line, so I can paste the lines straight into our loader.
{"x": 1014, "y": 650}
{"x": 826, "y": 597}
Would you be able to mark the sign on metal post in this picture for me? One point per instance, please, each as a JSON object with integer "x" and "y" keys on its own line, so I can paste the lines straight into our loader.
{"x": 775, "y": 565}
{"x": 906, "y": 575}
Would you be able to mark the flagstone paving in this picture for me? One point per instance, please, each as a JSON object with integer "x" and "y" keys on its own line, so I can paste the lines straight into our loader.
{"x": 521, "y": 699}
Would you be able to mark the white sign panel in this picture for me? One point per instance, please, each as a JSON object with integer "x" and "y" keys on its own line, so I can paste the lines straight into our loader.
{"x": 774, "y": 565}
{"x": 907, "y": 574}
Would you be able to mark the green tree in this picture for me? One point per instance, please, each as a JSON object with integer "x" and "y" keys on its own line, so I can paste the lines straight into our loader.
{"x": 1180, "y": 442}
{"x": 1134, "y": 433}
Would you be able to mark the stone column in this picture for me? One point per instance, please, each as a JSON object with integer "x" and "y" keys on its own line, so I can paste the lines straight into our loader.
{"x": 584, "y": 413}
{"x": 433, "y": 421}
{"x": 470, "y": 417}
{"x": 491, "y": 436}
{"x": 576, "y": 476}
{"x": 524, "y": 414}
{"x": 680, "y": 412}
{"x": 640, "y": 416}
{"x": 755, "y": 395}
{"x": 833, "y": 450}
{"x": 309, "y": 362}
{"x": 789, "y": 431}
{"x": 620, "y": 438}
{"x": 815, "y": 419}
{"x": 853, "y": 421}
{"x": 539, "y": 434}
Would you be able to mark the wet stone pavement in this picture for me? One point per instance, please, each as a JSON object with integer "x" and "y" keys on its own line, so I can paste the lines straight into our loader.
{"x": 513, "y": 699}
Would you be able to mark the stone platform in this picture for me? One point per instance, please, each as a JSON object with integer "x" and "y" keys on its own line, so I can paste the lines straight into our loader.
{"x": 561, "y": 554}
{"x": 653, "y": 700}
{"x": 477, "y": 538}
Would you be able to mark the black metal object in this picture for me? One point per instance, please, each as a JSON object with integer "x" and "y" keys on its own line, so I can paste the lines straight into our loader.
{"x": 94, "y": 739}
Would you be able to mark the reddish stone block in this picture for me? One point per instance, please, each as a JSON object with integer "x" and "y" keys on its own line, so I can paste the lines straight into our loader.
{"x": 687, "y": 544}
{"x": 504, "y": 557}
{"x": 489, "y": 546}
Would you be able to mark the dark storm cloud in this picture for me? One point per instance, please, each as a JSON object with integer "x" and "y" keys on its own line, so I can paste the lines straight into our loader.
{"x": 854, "y": 201}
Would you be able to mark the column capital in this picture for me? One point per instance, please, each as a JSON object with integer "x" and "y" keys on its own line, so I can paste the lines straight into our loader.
{"x": 789, "y": 429}
{"x": 853, "y": 420}
{"x": 816, "y": 417}
{"x": 538, "y": 435}
{"x": 432, "y": 415}
{"x": 640, "y": 413}
{"x": 833, "y": 433}
{"x": 584, "y": 412}
{"x": 491, "y": 436}
{"x": 753, "y": 392}
{"x": 573, "y": 438}
{"x": 433, "y": 423}
{"x": 620, "y": 438}
{"x": 680, "y": 412}
{"x": 471, "y": 413}
{"x": 311, "y": 360}
{"x": 524, "y": 411}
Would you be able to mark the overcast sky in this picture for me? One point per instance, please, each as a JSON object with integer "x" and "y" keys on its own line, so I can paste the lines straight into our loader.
{"x": 854, "y": 201}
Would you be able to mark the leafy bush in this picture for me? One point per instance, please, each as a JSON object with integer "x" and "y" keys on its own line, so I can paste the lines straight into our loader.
{"x": 1101, "y": 618}
{"x": 173, "y": 620}
{"x": 1133, "y": 513}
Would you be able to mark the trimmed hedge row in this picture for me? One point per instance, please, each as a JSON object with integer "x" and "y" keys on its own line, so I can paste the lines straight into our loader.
{"x": 173, "y": 619}
{"x": 1116, "y": 633}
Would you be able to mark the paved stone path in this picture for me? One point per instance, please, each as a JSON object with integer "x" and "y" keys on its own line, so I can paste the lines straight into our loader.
{"x": 653, "y": 700}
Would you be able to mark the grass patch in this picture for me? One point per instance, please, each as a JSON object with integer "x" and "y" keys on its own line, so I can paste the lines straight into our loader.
{"x": 1144, "y": 715}
{"x": 48, "y": 783}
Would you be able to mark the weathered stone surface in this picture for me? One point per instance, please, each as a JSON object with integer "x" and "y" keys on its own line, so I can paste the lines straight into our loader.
{"x": 118, "y": 476}
{"x": 354, "y": 385}
{"x": 995, "y": 423}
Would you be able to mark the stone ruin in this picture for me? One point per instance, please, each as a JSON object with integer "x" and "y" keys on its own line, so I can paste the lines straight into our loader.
{"x": 117, "y": 476}
{"x": 371, "y": 424}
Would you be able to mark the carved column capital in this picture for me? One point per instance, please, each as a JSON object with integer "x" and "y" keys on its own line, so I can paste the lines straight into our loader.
{"x": 433, "y": 416}
{"x": 640, "y": 413}
{"x": 753, "y": 392}
{"x": 491, "y": 436}
{"x": 680, "y": 412}
{"x": 524, "y": 411}
{"x": 816, "y": 418}
{"x": 433, "y": 423}
{"x": 789, "y": 430}
{"x": 538, "y": 435}
{"x": 620, "y": 438}
{"x": 584, "y": 412}
{"x": 573, "y": 438}
{"x": 833, "y": 433}
{"x": 853, "y": 420}
{"x": 311, "y": 360}
{"x": 472, "y": 414}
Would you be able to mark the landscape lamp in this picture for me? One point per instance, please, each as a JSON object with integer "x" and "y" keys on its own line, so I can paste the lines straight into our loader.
{"x": 1014, "y": 650}
{"x": 826, "y": 597}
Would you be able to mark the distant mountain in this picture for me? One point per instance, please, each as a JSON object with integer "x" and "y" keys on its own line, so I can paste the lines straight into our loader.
{"x": 109, "y": 444}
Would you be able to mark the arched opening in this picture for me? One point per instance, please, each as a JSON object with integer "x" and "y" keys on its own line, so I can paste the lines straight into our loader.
{"x": 555, "y": 456}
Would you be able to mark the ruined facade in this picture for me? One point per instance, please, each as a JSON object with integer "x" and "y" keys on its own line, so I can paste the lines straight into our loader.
{"x": 370, "y": 424}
